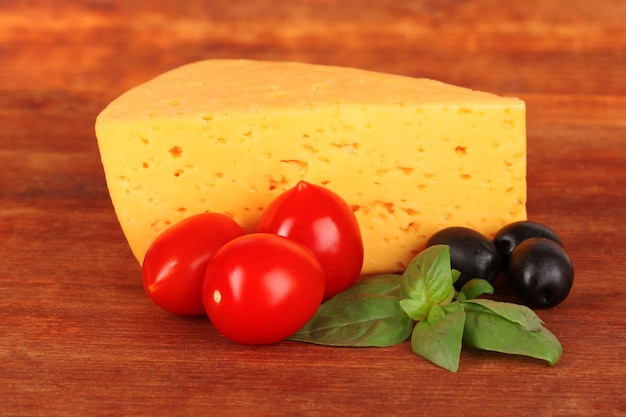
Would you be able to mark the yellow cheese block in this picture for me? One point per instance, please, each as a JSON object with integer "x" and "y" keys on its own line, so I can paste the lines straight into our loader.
{"x": 411, "y": 156}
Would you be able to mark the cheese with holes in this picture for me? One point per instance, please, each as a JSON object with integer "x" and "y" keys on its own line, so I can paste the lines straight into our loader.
{"x": 411, "y": 156}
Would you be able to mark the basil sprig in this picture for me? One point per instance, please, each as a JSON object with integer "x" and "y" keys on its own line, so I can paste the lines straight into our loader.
{"x": 422, "y": 304}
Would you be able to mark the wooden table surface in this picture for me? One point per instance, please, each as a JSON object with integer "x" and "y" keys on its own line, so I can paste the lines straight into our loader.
{"x": 78, "y": 336}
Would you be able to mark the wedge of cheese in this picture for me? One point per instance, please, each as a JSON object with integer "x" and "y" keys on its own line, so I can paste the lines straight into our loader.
{"x": 411, "y": 156}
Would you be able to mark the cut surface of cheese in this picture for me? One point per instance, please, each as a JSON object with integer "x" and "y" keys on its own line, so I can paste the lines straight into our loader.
{"x": 411, "y": 156}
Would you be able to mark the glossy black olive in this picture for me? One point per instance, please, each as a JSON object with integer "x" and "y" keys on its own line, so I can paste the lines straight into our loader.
{"x": 540, "y": 272}
{"x": 511, "y": 235}
{"x": 471, "y": 253}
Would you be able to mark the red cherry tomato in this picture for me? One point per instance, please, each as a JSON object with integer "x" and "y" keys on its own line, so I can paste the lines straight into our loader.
{"x": 322, "y": 221}
{"x": 173, "y": 268}
{"x": 261, "y": 288}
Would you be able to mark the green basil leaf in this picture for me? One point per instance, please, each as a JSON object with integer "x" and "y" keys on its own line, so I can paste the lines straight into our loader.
{"x": 487, "y": 330}
{"x": 516, "y": 313}
{"x": 367, "y": 314}
{"x": 414, "y": 309}
{"x": 388, "y": 284}
{"x": 428, "y": 280}
{"x": 436, "y": 313}
{"x": 455, "y": 275}
{"x": 476, "y": 287}
{"x": 440, "y": 342}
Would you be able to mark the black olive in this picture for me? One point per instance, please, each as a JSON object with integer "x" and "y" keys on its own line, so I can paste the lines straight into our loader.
{"x": 540, "y": 272}
{"x": 511, "y": 235}
{"x": 471, "y": 253}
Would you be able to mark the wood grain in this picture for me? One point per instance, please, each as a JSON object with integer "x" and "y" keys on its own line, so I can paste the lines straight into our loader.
{"x": 78, "y": 336}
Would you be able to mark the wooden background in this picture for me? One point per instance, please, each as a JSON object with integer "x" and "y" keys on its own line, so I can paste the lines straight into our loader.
{"x": 78, "y": 336}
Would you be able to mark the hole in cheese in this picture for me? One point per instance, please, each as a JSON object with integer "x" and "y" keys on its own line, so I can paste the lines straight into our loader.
{"x": 176, "y": 151}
